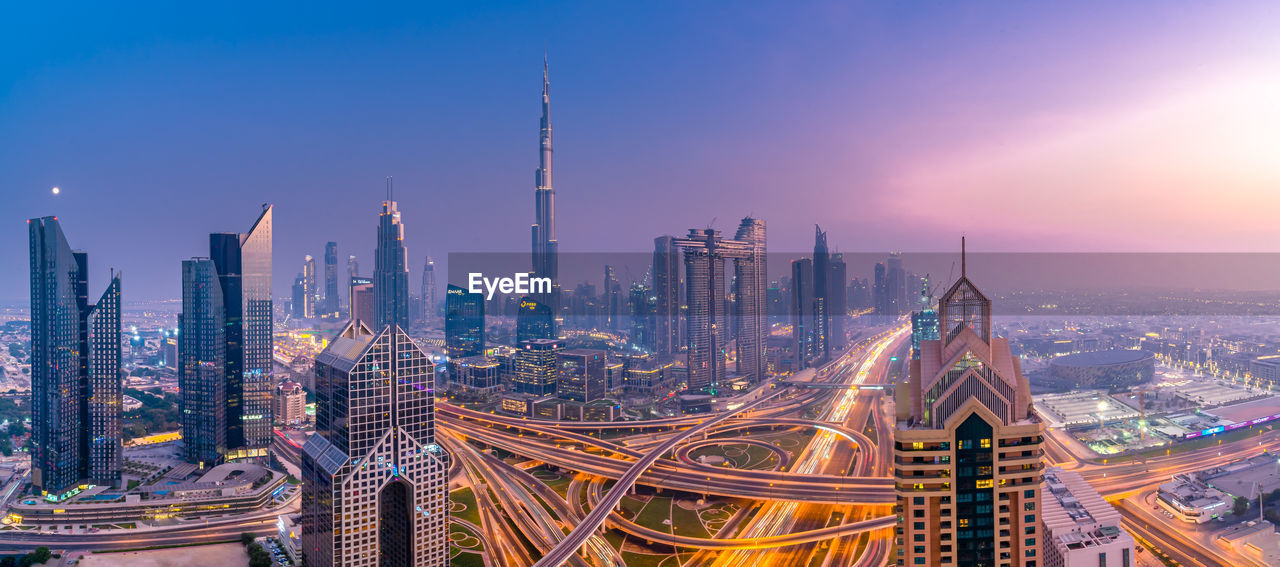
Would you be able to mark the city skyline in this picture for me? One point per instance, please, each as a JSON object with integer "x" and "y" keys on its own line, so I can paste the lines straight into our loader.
{"x": 1185, "y": 77}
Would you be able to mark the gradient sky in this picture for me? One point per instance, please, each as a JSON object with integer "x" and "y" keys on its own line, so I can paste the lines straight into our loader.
{"x": 897, "y": 125}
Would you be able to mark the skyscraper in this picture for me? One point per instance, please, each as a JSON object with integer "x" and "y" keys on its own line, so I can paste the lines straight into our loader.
{"x": 821, "y": 283}
{"x": 243, "y": 265}
{"x": 202, "y": 379}
{"x": 666, "y": 288}
{"x": 463, "y": 323}
{"x": 545, "y": 248}
{"x": 331, "y": 294}
{"x": 704, "y": 254}
{"x": 750, "y": 304}
{"x": 309, "y": 292}
{"x": 75, "y": 369}
{"x": 838, "y": 302}
{"x": 536, "y": 372}
{"x": 373, "y": 469}
{"x": 580, "y": 375}
{"x": 612, "y": 299}
{"x": 802, "y": 325}
{"x": 391, "y": 270}
{"x": 360, "y": 304}
{"x": 534, "y": 320}
{"x": 429, "y": 306}
{"x": 967, "y": 447}
{"x": 298, "y": 297}
{"x": 643, "y": 321}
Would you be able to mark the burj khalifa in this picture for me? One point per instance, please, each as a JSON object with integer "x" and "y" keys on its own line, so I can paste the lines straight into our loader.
{"x": 545, "y": 261}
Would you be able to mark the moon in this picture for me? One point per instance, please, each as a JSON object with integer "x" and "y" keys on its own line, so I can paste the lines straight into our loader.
{"x": 56, "y": 190}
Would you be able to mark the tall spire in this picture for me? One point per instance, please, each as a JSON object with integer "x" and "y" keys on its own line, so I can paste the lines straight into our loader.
{"x": 545, "y": 262}
{"x": 962, "y": 259}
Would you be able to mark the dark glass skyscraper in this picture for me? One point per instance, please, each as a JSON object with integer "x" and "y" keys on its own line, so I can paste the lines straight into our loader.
{"x": 373, "y": 469}
{"x": 243, "y": 264}
{"x": 75, "y": 368}
{"x": 838, "y": 302}
{"x": 821, "y": 303}
{"x": 534, "y": 320}
{"x": 391, "y": 270}
{"x": 463, "y": 323}
{"x": 666, "y": 288}
{"x": 331, "y": 293}
{"x": 202, "y": 354}
{"x": 750, "y": 308}
{"x": 802, "y": 324}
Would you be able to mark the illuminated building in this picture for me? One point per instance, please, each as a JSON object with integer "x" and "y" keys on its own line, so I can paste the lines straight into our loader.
{"x": 202, "y": 380}
{"x": 290, "y": 403}
{"x": 475, "y": 373}
{"x": 924, "y": 323}
{"x": 967, "y": 447}
{"x": 309, "y": 292}
{"x": 463, "y": 323}
{"x": 536, "y": 372}
{"x": 706, "y": 323}
{"x": 612, "y": 299}
{"x": 375, "y": 481}
{"x": 75, "y": 369}
{"x": 391, "y": 270}
{"x": 643, "y": 323}
{"x": 821, "y": 316}
{"x": 243, "y": 264}
{"x": 666, "y": 289}
{"x": 580, "y": 375}
{"x": 546, "y": 262}
{"x": 330, "y": 279}
{"x": 361, "y": 299}
{"x": 534, "y": 320}
{"x": 429, "y": 307}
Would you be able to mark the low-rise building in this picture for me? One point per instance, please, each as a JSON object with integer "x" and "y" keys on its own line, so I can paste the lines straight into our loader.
{"x": 290, "y": 403}
{"x": 1082, "y": 528}
{"x": 1191, "y": 500}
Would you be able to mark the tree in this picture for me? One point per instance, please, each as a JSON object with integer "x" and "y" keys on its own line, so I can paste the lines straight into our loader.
{"x": 1240, "y": 507}
{"x": 246, "y": 538}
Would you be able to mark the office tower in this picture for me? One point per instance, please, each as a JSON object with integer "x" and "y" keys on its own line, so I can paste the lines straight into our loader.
{"x": 375, "y": 485}
{"x": 967, "y": 446}
{"x": 429, "y": 290}
{"x": 298, "y": 293}
{"x": 361, "y": 302}
{"x": 750, "y": 297}
{"x": 546, "y": 263}
{"x": 838, "y": 302}
{"x": 896, "y": 285}
{"x": 75, "y": 369}
{"x": 202, "y": 380}
{"x": 463, "y": 323}
{"x": 860, "y": 294}
{"x": 879, "y": 292}
{"x": 924, "y": 323}
{"x": 534, "y": 319}
{"x": 643, "y": 321}
{"x": 536, "y": 372}
{"x": 353, "y": 267}
{"x": 580, "y": 375}
{"x": 612, "y": 299}
{"x": 243, "y": 264}
{"x": 706, "y": 324}
{"x": 330, "y": 278}
{"x": 666, "y": 288}
{"x": 821, "y": 282}
{"x": 802, "y": 325}
{"x": 1082, "y": 529}
{"x": 309, "y": 291}
{"x": 391, "y": 270}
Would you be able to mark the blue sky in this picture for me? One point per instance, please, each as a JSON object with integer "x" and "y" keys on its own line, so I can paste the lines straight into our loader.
{"x": 1055, "y": 127}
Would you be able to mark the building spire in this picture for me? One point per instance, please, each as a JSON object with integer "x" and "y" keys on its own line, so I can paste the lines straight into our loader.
{"x": 962, "y": 260}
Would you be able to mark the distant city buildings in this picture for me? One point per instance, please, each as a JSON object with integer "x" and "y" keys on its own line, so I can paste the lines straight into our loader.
{"x": 967, "y": 447}
{"x": 240, "y": 407}
{"x": 375, "y": 480}
{"x": 75, "y": 369}
{"x": 391, "y": 270}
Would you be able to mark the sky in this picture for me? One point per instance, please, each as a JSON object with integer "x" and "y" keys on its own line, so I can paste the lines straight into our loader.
{"x": 1028, "y": 127}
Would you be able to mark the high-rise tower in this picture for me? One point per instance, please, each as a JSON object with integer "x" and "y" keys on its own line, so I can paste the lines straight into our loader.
{"x": 242, "y": 262}
{"x": 375, "y": 480}
{"x": 968, "y": 448}
{"x": 666, "y": 287}
{"x": 331, "y": 293}
{"x": 310, "y": 294}
{"x": 429, "y": 306}
{"x": 750, "y": 283}
{"x": 545, "y": 247}
{"x": 202, "y": 356}
{"x": 391, "y": 269}
{"x": 75, "y": 368}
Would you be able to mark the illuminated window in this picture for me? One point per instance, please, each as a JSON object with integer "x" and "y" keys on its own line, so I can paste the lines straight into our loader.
{"x": 918, "y": 445}
{"x": 984, "y": 443}
{"x": 917, "y": 487}
{"x": 964, "y": 522}
{"x": 985, "y": 483}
